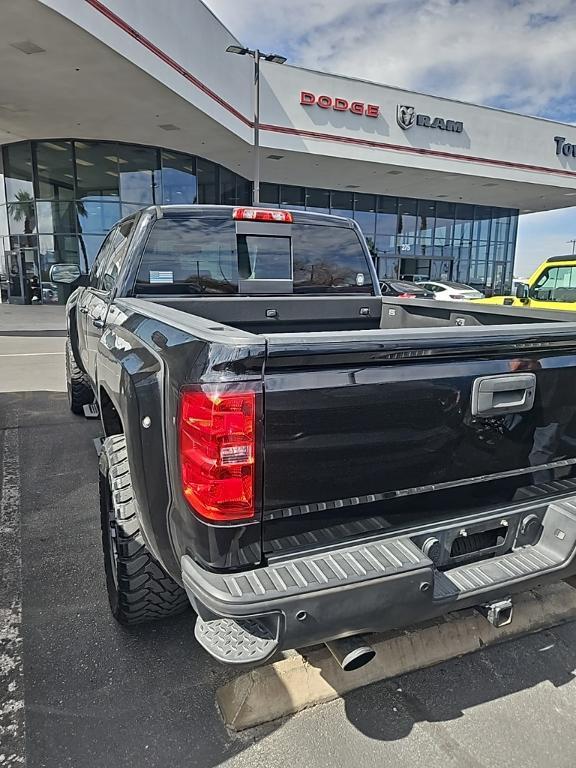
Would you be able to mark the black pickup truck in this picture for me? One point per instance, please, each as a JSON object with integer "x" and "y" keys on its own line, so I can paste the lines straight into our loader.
{"x": 301, "y": 459}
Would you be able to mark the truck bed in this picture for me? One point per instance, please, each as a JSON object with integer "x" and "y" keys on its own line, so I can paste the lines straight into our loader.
{"x": 370, "y": 429}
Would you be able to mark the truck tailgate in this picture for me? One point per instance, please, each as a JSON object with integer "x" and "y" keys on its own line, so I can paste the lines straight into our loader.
{"x": 376, "y": 430}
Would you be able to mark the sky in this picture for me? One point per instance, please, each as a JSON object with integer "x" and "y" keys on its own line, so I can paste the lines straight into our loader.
{"x": 513, "y": 54}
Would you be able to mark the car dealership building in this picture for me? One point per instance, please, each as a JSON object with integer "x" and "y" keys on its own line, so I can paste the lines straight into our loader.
{"x": 110, "y": 105}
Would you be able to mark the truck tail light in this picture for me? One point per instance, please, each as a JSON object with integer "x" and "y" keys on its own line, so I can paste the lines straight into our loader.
{"x": 262, "y": 214}
{"x": 217, "y": 447}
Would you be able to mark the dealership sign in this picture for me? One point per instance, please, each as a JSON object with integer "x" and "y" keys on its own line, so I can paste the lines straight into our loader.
{"x": 308, "y": 99}
{"x": 564, "y": 147}
{"x": 406, "y": 117}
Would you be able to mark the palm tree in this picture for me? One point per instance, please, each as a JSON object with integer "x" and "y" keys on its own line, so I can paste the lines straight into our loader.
{"x": 23, "y": 209}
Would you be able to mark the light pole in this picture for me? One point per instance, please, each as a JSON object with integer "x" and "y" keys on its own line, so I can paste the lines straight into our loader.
{"x": 256, "y": 55}
{"x": 573, "y": 245}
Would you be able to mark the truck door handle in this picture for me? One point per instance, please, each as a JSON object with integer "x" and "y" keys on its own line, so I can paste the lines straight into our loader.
{"x": 497, "y": 395}
{"x": 97, "y": 322}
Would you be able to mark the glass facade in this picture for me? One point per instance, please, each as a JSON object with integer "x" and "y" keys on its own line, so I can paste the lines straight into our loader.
{"x": 444, "y": 241}
{"x": 58, "y": 199}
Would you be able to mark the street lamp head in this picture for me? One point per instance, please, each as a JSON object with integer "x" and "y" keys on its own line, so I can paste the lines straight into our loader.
{"x": 275, "y": 58}
{"x": 237, "y": 49}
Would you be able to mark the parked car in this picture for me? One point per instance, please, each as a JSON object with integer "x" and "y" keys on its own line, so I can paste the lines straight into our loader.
{"x": 404, "y": 290}
{"x": 449, "y": 291}
{"x": 414, "y": 278}
{"x": 300, "y": 459}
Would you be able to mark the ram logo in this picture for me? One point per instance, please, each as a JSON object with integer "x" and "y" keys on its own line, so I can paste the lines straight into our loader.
{"x": 405, "y": 116}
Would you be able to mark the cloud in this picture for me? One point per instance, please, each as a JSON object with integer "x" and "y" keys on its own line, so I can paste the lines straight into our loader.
{"x": 516, "y": 54}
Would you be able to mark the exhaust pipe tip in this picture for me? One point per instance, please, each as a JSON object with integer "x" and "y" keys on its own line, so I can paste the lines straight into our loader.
{"x": 351, "y": 653}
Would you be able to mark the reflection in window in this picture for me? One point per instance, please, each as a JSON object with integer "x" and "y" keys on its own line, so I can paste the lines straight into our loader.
{"x": 54, "y": 170}
{"x": 137, "y": 167}
{"x": 318, "y": 200}
{"x": 22, "y": 215}
{"x": 228, "y": 195}
{"x": 264, "y": 258}
{"x": 365, "y": 215}
{"x": 96, "y": 169}
{"x": 207, "y": 187}
{"x": 329, "y": 260}
{"x": 97, "y": 216}
{"x": 57, "y": 249}
{"x": 426, "y": 219}
{"x": 89, "y": 246}
{"x": 3, "y": 224}
{"x": 482, "y": 221}
{"x": 291, "y": 197}
{"x": 178, "y": 178}
{"x": 57, "y": 217}
{"x": 407, "y": 222}
{"x": 190, "y": 256}
{"x": 342, "y": 204}
{"x": 18, "y": 172}
{"x": 269, "y": 193}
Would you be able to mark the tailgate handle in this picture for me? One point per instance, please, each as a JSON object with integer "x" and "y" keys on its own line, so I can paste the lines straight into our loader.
{"x": 497, "y": 395}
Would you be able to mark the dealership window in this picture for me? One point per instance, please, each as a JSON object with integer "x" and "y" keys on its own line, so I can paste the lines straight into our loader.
{"x": 444, "y": 229}
{"x": 114, "y": 180}
{"x": 386, "y": 225}
{"x": 3, "y": 224}
{"x": 342, "y": 205}
{"x": 292, "y": 197}
{"x": 22, "y": 215}
{"x": 97, "y": 170}
{"x": 318, "y": 200}
{"x": 207, "y": 174}
{"x": 138, "y": 169}
{"x": 482, "y": 222}
{"x": 270, "y": 194}
{"x": 178, "y": 178}
{"x": 18, "y": 172}
{"x": 228, "y": 194}
{"x": 365, "y": 215}
{"x": 57, "y": 216}
{"x": 54, "y": 170}
{"x": 426, "y": 219}
{"x": 95, "y": 216}
{"x": 407, "y": 224}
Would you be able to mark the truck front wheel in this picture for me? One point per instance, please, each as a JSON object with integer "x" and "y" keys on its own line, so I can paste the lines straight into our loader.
{"x": 79, "y": 390}
{"x": 139, "y": 589}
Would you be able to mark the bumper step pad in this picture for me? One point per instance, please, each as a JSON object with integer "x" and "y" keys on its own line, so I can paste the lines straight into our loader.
{"x": 236, "y": 641}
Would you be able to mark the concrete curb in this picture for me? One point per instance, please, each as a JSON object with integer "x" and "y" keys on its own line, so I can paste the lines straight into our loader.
{"x": 295, "y": 683}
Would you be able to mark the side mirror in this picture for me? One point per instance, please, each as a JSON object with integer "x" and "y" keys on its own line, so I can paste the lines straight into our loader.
{"x": 64, "y": 273}
{"x": 522, "y": 292}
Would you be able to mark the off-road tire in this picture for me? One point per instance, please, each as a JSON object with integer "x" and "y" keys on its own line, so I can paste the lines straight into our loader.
{"x": 79, "y": 389}
{"x": 139, "y": 589}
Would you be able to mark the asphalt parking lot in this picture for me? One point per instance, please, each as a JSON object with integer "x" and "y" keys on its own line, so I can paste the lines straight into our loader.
{"x": 78, "y": 690}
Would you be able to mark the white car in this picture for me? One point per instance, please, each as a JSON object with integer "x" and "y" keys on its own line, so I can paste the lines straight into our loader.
{"x": 448, "y": 291}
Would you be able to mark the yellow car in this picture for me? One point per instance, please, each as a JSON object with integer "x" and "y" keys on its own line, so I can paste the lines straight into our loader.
{"x": 551, "y": 286}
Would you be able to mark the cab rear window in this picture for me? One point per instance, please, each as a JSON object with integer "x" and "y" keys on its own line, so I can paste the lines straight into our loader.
{"x": 205, "y": 256}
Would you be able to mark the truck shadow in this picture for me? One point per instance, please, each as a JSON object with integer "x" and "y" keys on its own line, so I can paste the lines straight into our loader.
{"x": 430, "y": 698}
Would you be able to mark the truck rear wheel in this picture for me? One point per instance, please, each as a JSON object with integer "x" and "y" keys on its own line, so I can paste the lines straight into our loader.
{"x": 139, "y": 589}
{"x": 79, "y": 389}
